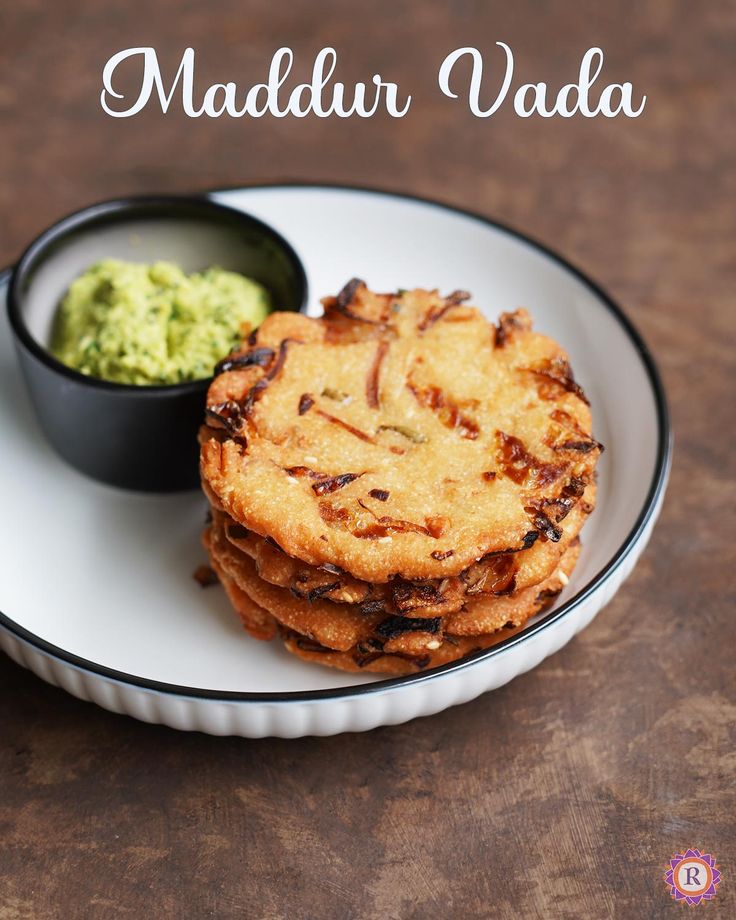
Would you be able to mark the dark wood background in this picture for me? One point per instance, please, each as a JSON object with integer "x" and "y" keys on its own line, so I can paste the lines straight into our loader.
{"x": 564, "y": 793}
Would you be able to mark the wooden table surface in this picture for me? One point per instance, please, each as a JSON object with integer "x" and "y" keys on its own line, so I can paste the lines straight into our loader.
{"x": 564, "y": 793}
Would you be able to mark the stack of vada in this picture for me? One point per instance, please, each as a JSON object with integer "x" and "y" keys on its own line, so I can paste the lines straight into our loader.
{"x": 398, "y": 483}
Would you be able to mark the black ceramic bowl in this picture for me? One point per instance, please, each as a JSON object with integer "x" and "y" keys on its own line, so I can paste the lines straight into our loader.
{"x": 135, "y": 437}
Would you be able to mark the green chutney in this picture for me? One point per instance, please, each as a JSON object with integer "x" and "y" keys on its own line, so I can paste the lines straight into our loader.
{"x": 153, "y": 324}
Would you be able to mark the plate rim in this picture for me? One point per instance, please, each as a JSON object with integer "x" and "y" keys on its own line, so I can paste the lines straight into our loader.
{"x": 648, "y": 511}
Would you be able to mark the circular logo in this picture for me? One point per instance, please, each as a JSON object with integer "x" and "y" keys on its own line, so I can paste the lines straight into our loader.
{"x": 692, "y": 877}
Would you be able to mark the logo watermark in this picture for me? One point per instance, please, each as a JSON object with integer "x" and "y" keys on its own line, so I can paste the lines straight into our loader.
{"x": 692, "y": 877}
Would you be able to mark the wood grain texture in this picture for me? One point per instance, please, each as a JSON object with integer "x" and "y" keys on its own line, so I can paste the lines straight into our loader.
{"x": 564, "y": 793}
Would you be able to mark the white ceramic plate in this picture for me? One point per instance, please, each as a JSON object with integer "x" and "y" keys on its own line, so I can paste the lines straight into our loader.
{"x": 96, "y": 584}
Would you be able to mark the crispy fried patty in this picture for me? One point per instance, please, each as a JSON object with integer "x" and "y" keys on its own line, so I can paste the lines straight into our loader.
{"x": 401, "y": 435}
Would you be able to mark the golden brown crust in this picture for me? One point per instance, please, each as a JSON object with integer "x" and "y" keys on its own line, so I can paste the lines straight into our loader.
{"x": 496, "y": 575}
{"x": 400, "y": 435}
{"x": 393, "y": 665}
{"x": 343, "y": 628}
{"x": 487, "y": 614}
{"x": 503, "y": 617}
{"x": 258, "y": 622}
{"x": 336, "y": 626}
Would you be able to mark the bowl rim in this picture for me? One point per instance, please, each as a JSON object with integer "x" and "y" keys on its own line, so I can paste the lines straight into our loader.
{"x": 647, "y": 515}
{"x": 119, "y": 209}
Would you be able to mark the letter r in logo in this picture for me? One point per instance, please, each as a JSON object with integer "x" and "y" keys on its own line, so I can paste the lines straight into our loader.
{"x": 692, "y": 875}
